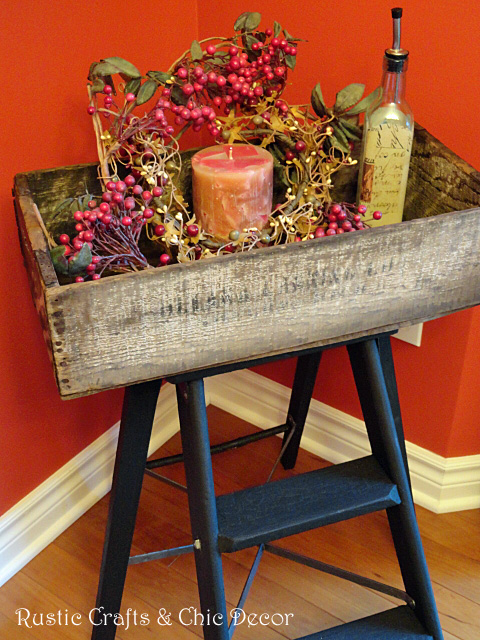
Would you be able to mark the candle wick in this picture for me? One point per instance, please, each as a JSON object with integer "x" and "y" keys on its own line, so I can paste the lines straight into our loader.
{"x": 230, "y": 153}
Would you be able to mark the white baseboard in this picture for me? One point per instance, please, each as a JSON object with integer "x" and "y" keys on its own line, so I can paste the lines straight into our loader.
{"x": 35, "y": 521}
{"x": 439, "y": 484}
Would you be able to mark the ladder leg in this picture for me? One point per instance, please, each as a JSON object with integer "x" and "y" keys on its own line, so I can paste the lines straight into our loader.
{"x": 135, "y": 429}
{"x": 202, "y": 506}
{"x": 302, "y": 389}
{"x": 386, "y": 357}
{"x": 384, "y": 439}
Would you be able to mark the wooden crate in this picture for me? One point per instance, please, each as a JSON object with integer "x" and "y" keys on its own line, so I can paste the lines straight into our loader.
{"x": 135, "y": 327}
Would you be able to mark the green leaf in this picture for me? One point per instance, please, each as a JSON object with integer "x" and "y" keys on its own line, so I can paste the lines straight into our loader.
{"x": 133, "y": 85}
{"x": 290, "y": 38}
{"x": 340, "y": 135}
{"x": 252, "y": 21}
{"x": 365, "y": 103}
{"x": 80, "y": 261}
{"x": 104, "y": 69}
{"x": 339, "y": 140}
{"x": 347, "y": 97}
{"x": 291, "y": 61}
{"x": 178, "y": 97}
{"x": 58, "y": 259}
{"x": 101, "y": 70}
{"x": 350, "y": 129}
{"x": 91, "y": 71}
{"x": 63, "y": 204}
{"x": 317, "y": 101}
{"x": 249, "y": 39}
{"x": 97, "y": 85}
{"x": 277, "y": 27}
{"x": 123, "y": 66}
{"x": 240, "y": 21}
{"x": 277, "y": 154}
{"x": 196, "y": 50}
{"x": 159, "y": 76}
{"x": 147, "y": 91}
{"x": 126, "y": 77}
{"x": 83, "y": 201}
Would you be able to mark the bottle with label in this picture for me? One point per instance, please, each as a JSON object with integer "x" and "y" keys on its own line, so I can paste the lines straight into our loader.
{"x": 387, "y": 139}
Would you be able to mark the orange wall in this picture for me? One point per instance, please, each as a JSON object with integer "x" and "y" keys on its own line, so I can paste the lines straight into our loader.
{"x": 47, "y": 51}
{"x": 438, "y": 382}
{"x": 47, "y": 48}
{"x": 465, "y": 432}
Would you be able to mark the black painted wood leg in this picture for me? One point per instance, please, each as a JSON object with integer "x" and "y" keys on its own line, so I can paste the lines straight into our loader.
{"x": 202, "y": 506}
{"x": 138, "y": 412}
{"x": 384, "y": 439}
{"x": 302, "y": 389}
{"x": 388, "y": 366}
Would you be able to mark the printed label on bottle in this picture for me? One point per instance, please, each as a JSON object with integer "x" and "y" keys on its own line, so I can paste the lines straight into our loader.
{"x": 385, "y": 170}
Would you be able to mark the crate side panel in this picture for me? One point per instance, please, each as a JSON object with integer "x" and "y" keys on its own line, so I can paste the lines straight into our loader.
{"x": 438, "y": 181}
{"x": 51, "y": 187}
{"x": 164, "y": 321}
{"x": 38, "y": 266}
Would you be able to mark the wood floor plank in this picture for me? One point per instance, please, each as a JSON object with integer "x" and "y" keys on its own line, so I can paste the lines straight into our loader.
{"x": 342, "y": 599}
{"x": 268, "y": 597}
{"x": 37, "y": 601}
{"x": 458, "y": 531}
{"x": 10, "y": 629}
{"x": 448, "y": 567}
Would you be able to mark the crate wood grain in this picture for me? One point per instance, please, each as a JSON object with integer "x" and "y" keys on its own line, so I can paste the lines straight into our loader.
{"x": 158, "y": 322}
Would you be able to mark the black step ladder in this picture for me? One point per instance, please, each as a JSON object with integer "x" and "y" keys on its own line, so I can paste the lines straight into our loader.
{"x": 260, "y": 515}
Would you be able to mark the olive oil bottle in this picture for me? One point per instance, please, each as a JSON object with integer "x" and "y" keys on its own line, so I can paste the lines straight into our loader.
{"x": 387, "y": 139}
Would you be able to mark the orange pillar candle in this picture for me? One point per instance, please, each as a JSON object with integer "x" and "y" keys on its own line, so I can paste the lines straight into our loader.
{"x": 232, "y": 188}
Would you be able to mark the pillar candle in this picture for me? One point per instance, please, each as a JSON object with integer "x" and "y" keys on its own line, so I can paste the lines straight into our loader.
{"x": 232, "y": 188}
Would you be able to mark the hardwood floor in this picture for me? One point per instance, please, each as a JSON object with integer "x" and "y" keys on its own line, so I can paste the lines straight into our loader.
{"x": 63, "y": 578}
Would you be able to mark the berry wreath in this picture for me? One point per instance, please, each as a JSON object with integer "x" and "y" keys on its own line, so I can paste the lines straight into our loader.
{"x": 231, "y": 88}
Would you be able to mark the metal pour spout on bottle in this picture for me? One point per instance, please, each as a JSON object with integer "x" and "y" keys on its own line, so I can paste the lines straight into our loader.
{"x": 387, "y": 139}
{"x": 397, "y": 34}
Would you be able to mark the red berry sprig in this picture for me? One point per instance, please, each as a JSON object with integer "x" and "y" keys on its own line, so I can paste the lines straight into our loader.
{"x": 345, "y": 218}
{"x": 112, "y": 230}
{"x": 239, "y": 71}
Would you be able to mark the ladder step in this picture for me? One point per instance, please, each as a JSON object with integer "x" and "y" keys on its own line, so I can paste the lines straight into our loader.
{"x": 267, "y": 512}
{"x": 396, "y": 624}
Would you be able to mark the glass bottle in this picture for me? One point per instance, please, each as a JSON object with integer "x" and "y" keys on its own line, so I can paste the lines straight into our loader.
{"x": 387, "y": 139}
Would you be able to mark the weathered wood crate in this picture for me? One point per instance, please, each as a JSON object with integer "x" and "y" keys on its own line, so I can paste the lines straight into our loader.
{"x": 134, "y": 327}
